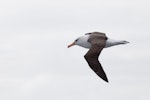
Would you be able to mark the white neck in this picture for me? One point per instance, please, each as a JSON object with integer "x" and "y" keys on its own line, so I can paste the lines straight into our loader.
{"x": 83, "y": 41}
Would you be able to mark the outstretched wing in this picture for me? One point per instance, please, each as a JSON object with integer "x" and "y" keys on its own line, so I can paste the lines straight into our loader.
{"x": 98, "y": 43}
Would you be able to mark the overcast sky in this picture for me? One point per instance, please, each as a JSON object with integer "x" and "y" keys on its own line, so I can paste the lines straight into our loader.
{"x": 35, "y": 63}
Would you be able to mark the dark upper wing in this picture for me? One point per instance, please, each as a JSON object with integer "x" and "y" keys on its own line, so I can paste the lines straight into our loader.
{"x": 96, "y": 34}
{"x": 98, "y": 43}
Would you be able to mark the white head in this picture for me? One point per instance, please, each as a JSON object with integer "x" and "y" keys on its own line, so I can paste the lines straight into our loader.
{"x": 81, "y": 41}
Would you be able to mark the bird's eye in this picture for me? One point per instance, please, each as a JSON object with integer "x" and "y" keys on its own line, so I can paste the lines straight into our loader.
{"x": 76, "y": 40}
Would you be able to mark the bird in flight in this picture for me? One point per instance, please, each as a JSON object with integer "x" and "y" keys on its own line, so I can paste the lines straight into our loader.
{"x": 95, "y": 42}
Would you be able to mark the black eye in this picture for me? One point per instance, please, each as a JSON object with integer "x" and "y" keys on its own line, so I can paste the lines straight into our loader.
{"x": 76, "y": 40}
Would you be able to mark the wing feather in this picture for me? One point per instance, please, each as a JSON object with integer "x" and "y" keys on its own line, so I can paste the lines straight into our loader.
{"x": 98, "y": 43}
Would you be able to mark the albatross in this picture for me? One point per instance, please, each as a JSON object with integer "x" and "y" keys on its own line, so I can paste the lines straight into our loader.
{"x": 95, "y": 42}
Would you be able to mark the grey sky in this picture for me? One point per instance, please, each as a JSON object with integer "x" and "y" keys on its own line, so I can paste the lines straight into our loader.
{"x": 35, "y": 63}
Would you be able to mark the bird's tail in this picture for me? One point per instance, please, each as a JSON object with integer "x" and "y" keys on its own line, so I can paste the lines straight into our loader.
{"x": 123, "y": 42}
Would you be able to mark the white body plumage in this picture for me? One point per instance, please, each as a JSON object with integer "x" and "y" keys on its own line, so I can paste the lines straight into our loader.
{"x": 83, "y": 42}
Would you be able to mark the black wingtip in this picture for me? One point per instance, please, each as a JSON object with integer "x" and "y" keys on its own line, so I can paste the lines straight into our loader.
{"x": 106, "y": 80}
{"x": 103, "y": 76}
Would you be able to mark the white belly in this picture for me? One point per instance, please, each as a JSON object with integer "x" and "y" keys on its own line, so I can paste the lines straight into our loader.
{"x": 110, "y": 43}
{"x": 86, "y": 44}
